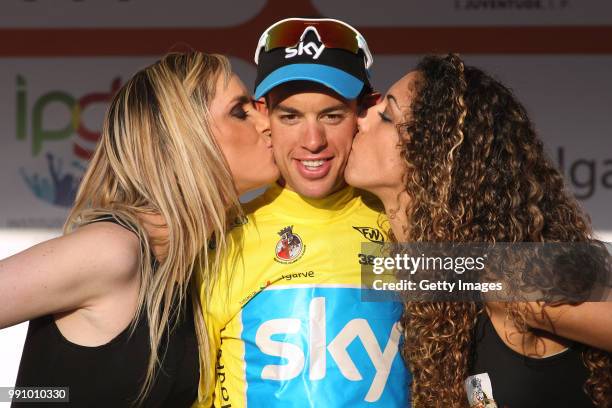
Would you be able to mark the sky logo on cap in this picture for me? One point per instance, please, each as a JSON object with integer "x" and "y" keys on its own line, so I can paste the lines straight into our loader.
{"x": 309, "y": 49}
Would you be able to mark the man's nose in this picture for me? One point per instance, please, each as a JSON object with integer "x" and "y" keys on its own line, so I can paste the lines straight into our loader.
{"x": 314, "y": 139}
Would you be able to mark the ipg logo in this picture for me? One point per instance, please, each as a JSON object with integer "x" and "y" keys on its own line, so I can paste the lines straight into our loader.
{"x": 59, "y": 183}
{"x": 323, "y": 344}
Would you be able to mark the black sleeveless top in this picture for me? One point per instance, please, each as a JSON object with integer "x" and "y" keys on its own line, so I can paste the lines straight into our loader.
{"x": 111, "y": 375}
{"x": 523, "y": 382}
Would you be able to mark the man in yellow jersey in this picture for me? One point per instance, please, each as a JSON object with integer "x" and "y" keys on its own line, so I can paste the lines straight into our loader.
{"x": 286, "y": 317}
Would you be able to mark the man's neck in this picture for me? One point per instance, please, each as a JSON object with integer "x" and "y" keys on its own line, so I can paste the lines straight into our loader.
{"x": 334, "y": 190}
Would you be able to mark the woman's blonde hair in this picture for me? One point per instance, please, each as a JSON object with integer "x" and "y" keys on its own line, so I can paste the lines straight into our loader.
{"x": 157, "y": 155}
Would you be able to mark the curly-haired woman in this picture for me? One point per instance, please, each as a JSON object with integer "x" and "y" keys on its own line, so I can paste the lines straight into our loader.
{"x": 453, "y": 156}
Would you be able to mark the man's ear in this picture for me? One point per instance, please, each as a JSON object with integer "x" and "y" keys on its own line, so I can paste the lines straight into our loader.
{"x": 261, "y": 105}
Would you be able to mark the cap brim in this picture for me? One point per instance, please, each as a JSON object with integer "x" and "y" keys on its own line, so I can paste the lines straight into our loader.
{"x": 339, "y": 81}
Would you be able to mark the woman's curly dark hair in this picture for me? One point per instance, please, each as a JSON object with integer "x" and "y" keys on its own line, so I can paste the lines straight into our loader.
{"x": 477, "y": 172}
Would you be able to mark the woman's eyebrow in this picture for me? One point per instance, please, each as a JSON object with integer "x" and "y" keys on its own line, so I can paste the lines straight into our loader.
{"x": 392, "y": 98}
{"x": 242, "y": 99}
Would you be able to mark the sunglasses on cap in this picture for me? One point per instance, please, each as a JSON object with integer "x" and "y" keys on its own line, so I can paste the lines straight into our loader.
{"x": 332, "y": 33}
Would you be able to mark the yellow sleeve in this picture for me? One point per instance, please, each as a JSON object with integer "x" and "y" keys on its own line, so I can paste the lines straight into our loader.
{"x": 206, "y": 392}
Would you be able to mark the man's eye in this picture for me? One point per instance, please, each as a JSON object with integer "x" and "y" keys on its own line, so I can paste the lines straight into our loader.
{"x": 333, "y": 117}
{"x": 288, "y": 117}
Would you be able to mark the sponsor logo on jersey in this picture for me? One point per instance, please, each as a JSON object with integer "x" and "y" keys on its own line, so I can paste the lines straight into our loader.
{"x": 255, "y": 292}
{"x": 289, "y": 247}
{"x": 323, "y": 344}
{"x": 220, "y": 371}
{"x": 371, "y": 234}
{"x": 298, "y": 275}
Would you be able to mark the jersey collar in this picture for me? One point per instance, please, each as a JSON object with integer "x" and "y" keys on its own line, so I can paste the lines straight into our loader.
{"x": 294, "y": 205}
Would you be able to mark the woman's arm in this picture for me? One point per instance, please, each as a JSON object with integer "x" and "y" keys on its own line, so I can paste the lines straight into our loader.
{"x": 588, "y": 323}
{"x": 66, "y": 273}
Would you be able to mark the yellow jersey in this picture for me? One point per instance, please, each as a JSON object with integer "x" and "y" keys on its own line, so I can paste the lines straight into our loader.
{"x": 286, "y": 317}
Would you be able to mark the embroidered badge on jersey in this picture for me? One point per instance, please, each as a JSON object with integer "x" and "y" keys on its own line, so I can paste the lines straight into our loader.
{"x": 289, "y": 247}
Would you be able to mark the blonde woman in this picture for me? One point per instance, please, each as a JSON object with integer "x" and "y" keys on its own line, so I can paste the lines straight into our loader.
{"x": 109, "y": 301}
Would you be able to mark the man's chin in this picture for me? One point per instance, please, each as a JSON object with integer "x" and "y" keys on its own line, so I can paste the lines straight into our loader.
{"x": 317, "y": 188}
